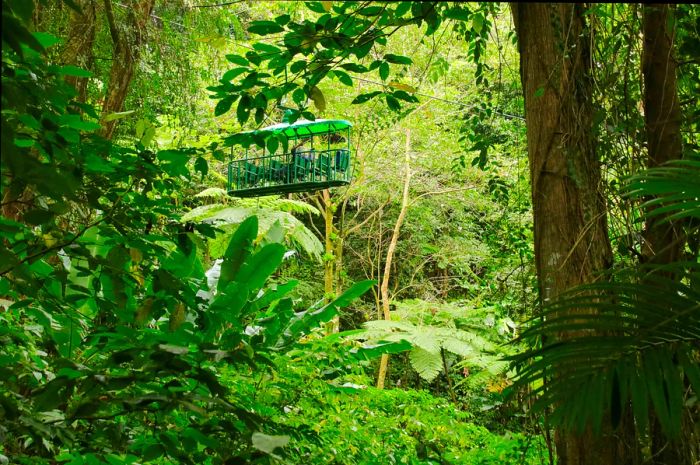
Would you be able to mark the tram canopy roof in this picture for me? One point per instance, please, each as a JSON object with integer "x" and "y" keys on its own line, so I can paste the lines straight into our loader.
{"x": 303, "y": 128}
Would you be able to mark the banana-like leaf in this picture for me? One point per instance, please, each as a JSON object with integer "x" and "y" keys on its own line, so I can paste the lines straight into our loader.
{"x": 239, "y": 249}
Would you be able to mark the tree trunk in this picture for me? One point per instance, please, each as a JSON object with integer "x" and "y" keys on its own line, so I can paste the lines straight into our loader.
{"x": 569, "y": 212}
{"x": 127, "y": 43}
{"x": 663, "y": 242}
{"x": 384, "y": 287}
{"x": 328, "y": 257}
{"x": 78, "y": 50}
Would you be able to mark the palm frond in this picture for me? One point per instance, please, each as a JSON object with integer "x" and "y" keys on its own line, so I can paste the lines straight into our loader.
{"x": 674, "y": 188}
{"x": 629, "y": 343}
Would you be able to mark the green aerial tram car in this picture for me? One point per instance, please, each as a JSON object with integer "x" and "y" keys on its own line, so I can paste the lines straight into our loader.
{"x": 318, "y": 157}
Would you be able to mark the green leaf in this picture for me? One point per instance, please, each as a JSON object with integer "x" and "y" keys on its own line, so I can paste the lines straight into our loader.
{"x": 458, "y": 13}
{"x": 261, "y": 265}
{"x": 237, "y": 60}
{"x": 231, "y": 74}
{"x": 201, "y": 166}
{"x": 362, "y": 98}
{"x": 343, "y": 77}
{"x": 239, "y": 249}
{"x": 264, "y": 27}
{"x": 266, "y": 49}
{"x": 45, "y": 39}
{"x": 392, "y": 102}
{"x": 243, "y": 109}
{"x": 403, "y": 95}
{"x": 75, "y": 122}
{"x": 272, "y": 144}
{"x": 118, "y": 115}
{"x": 318, "y": 98}
{"x": 24, "y": 142}
{"x": 223, "y": 106}
{"x": 370, "y": 351}
{"x": 478, "y": 22}
{"x": 354, "y": 67}
{"x": 356, "y": 290}
{"x": 370, "y": 10}
{"x": 402, "y": 8}
{"x": 283, "y": 19}
{"x": 384, "y": 71}
{"x": 397, "y": 59}
{"x": 148, "y": 136}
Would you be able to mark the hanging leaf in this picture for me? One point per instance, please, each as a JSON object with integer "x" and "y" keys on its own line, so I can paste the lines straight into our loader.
{"x": 223, "y": 106}
{"x": 400, "y": 86}
{"x": 392, "y": 102}
{"x": 264, "y": 27}
{"x": 362, "y": 98}
{"x": 201, "y": 166}
{"x": 318, "y": 98}
{"x": 397, "y": 59}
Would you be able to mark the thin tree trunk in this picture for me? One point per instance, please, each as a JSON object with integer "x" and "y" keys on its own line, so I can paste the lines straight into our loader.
{"x": 569, "y": 213}
{"x": 78, "y": 50}
{"x": 664, "y": 242}
{"x": 127, "y": 43}
{"x": 328, "y": 257}
{"x": 384, "y": 287}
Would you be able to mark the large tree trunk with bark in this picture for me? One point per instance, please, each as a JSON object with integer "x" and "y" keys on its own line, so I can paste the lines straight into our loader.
{"x": 664, "y": 241}
{"x": 127, "y": 42}
{"x": 569, "y": 213}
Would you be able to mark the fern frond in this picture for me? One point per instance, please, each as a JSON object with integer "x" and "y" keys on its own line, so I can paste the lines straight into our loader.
{"x": 427, "y": 364}
{"x": 215, "y": 192}
{"x": 419, "y": 323}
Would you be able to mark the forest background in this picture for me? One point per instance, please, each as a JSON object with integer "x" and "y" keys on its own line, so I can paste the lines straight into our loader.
{"x": 501, "y": 158}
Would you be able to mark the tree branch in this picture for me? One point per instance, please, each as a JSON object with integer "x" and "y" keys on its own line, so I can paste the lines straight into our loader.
{"x": 113, "y": 31}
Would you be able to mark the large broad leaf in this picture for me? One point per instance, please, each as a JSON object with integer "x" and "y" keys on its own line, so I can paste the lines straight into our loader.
{"x": 239, "y": 248}
{"x": 355, "y": 291}
{"x": 370, "y": 351}
{"x": 258, "y": 267}
{"x": 303, "y": 322}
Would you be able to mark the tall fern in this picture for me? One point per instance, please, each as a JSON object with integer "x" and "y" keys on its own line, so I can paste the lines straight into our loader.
{"x": 430, "y": 329}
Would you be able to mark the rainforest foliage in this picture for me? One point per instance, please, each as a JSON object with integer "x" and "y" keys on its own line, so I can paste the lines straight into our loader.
{"x": 511, "y": 277}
